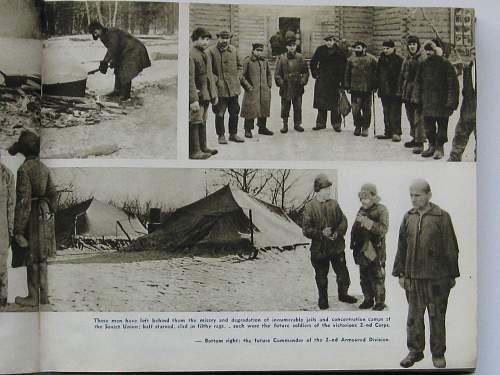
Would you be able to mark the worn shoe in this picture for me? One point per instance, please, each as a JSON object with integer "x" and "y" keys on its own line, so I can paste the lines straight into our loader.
{"x": 411, "y": 359}
{"x": 357, "y": 131}
{"x": 367, "y": 303}
{"x": 284, "y": 129}
{"x": 439, "y": 362}
{"x": 379, "y": 306}
{"x": 454, "y": 158}
{"x": 319, "y": 127}
{"x": 337, "y": 128}
{"x": 347, "y": 298}
{"x": 429, "y": 152}
{"x": 298, "y": 128}
{"x": 439, "y": 153}
{"x": 323, "y": 304}
{"x": 265, "y": 131}
{"x": 26, "y": 301}
{"x": 396, "y": 138}
{"x": 364, "y": 132}
{"x": 384, "y": 136}
{"x": 236, "y": 138}
{"x": 248, "y": 134}
{"x": 418, "y": 149}
{"x": 411, "y": 144}
{"x": 222, "y": 140}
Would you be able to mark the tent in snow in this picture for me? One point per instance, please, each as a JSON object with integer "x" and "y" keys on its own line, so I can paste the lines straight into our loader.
{"x": 222, "y": 221}
{"x": 95, "y": 219}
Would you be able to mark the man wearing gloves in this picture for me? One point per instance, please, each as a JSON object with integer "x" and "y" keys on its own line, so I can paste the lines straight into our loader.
{"x": 126, "y": 54}
{"x": 325, "y": 224}
{"x": 7, "y": 202}
{"x": 426, "y": 264}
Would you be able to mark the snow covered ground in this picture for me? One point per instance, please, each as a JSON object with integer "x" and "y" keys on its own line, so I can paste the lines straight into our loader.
{"x": 20, "y": 56}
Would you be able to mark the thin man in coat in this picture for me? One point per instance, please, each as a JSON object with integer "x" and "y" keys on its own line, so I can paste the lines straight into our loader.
{"x": 327, "y": 68}
{"x": 126, "y": 54}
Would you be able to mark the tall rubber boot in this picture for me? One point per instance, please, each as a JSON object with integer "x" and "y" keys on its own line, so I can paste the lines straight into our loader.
{"x": 194, "y": 143}
{"x": 323, "y": 297}
{"x": 202, "y": 128}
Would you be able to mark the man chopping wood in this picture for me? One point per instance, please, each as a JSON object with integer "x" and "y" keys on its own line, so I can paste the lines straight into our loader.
{"x": 126, "y": 54}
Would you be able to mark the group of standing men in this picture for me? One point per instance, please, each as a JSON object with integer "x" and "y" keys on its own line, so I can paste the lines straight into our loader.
{"x": 426, "y": 260}
{"x": 27, "y": 208}
{"x": 425, "y": 81}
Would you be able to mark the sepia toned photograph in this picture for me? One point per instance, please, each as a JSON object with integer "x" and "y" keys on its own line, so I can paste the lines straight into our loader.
{"x": 332, "y": 83}
{"x": 109, "y": 79}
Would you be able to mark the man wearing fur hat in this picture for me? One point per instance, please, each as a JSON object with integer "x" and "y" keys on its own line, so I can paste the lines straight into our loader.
{"x": 325, "y": 224}
{"x": 202, "y": 92}
{"x": 327, "y": 68}
{"x": 7, "y": 202}
{"x": 388, "y": 68}
{"x": 361, "y": 80}
{"x": 406, "y": 88}
{"x": 36, "y": 198}
{"x": 437, "y": 94}
{"x": 426, "y": 264}
{"x": 256, "y": 80}
{"x": 368, "y": 245}
{"x": 126, "y": 54}
{"x": 227, "y": 69}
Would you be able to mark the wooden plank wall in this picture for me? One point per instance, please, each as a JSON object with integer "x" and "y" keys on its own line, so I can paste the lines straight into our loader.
{"x": 414, "y": 23}
{"x": 388, "y": 24}
{"x": 357, "y": 24}
{"x": 213, "y": 17}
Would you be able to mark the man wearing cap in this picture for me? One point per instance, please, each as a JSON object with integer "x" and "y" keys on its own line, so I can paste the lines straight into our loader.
{"x": 327, "y": 68}
{"x": 291, "y": 76}
{"x": 7, "y": 202}
{"x": 437, "y": 93}
{"x": 227, "y": 69}
{"x": 361, "y": 80}
{"x": 467, "y": 122}
{"x": 406, "y": 88}
{"x": 426, "y": 264}
{"x": 126, "y": 54}
{"x": 368, "y": 245}
{"x": 202, "y": 92}
{"x": 325, "y": 224}
{"x": 36, "y": 199}
{"x": 256, "y": 81}
{"x": 388, "y": 68}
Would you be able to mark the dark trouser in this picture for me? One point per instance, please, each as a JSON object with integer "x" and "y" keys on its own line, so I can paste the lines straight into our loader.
{"x": 392, "y": 115}
{"x": 232, "y": 106}
{"x": 249, "y": 123}
{"x": 322, "y": 266}
{"x": 372, "y": 280}
{"x": 123, "y": 88}
{"x": 436, "y": 130}
{"x": 36, "y": 273}
{"x": 297, "y": 109}
{"x": 335, "y": 118}
{"x": 431, "y": 295}
{"x": 4, "y": 281}
{"x": 361, "y": 109}
{"x": 462, "y": 134}
{"x": 414, "y": 115}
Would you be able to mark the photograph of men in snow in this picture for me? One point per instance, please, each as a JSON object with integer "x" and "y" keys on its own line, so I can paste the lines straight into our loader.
{"x": 326, "y": 225}
{"x": 36, "y": 198}
{"x": 126, "y": 54}
{"x": 368, "y": 245}
{"x": 426, "y": 264}
{"x": 7, "y": 202}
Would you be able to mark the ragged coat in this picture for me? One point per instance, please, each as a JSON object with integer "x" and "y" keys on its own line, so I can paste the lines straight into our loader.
{"x": 227, "y": 68}
{"x": 256, "y": 81}
{"x": 388, "y": 69}
{"x": 36, "y": 199}
{"x": 318, "y": 216}
{"x": 291, "y": 75}
{"x": 361, "y": 74}
{"x": 7, "y": 204}
{"x": 469, "y": 95}
{"x": 427, "y": 246}
{"x": 126, "y": 53}
{"x": 408, "y": 76}
{"x": 202, "y": 86}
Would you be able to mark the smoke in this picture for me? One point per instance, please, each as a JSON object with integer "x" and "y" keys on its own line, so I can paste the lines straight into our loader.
{"x": 19, "y": 19}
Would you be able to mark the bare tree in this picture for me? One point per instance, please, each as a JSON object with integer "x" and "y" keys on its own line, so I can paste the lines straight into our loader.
{"x": 115, "y": 13}
{"x": 99, "y": 14}
{"x": 88, "y": 11}
{"x": 281, "y": 183}
{"x": 251, "y": 181}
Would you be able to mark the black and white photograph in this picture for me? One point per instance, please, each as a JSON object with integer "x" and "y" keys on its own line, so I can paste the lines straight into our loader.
{"x": 363, "y": 83}
{"x": 110, "y": 79}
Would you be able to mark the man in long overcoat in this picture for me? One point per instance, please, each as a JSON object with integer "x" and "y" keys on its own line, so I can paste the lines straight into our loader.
{"x": 36, "y": 199}
{"x": 327, "y": 68}
{"x": 326, "y": 225}
{"x": 388, "y": 68}
{"x": 7, "y": 202}
{"x": 256, "y": 81}
{"x": 426, "y": 264}
{"x": 437, "y": 93}
{"x": 126, "y": 54}
{"x": 202, "y": 92}
{"x": 291, "y": 76}
{"x": 467, "y": 122}
{"x": 406, "y": 87}
{"x": 227, "y": 69}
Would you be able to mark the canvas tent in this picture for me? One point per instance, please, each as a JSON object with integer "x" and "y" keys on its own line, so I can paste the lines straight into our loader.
{"x": 97, "y": 220}
{"x": 221, "y": 221}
